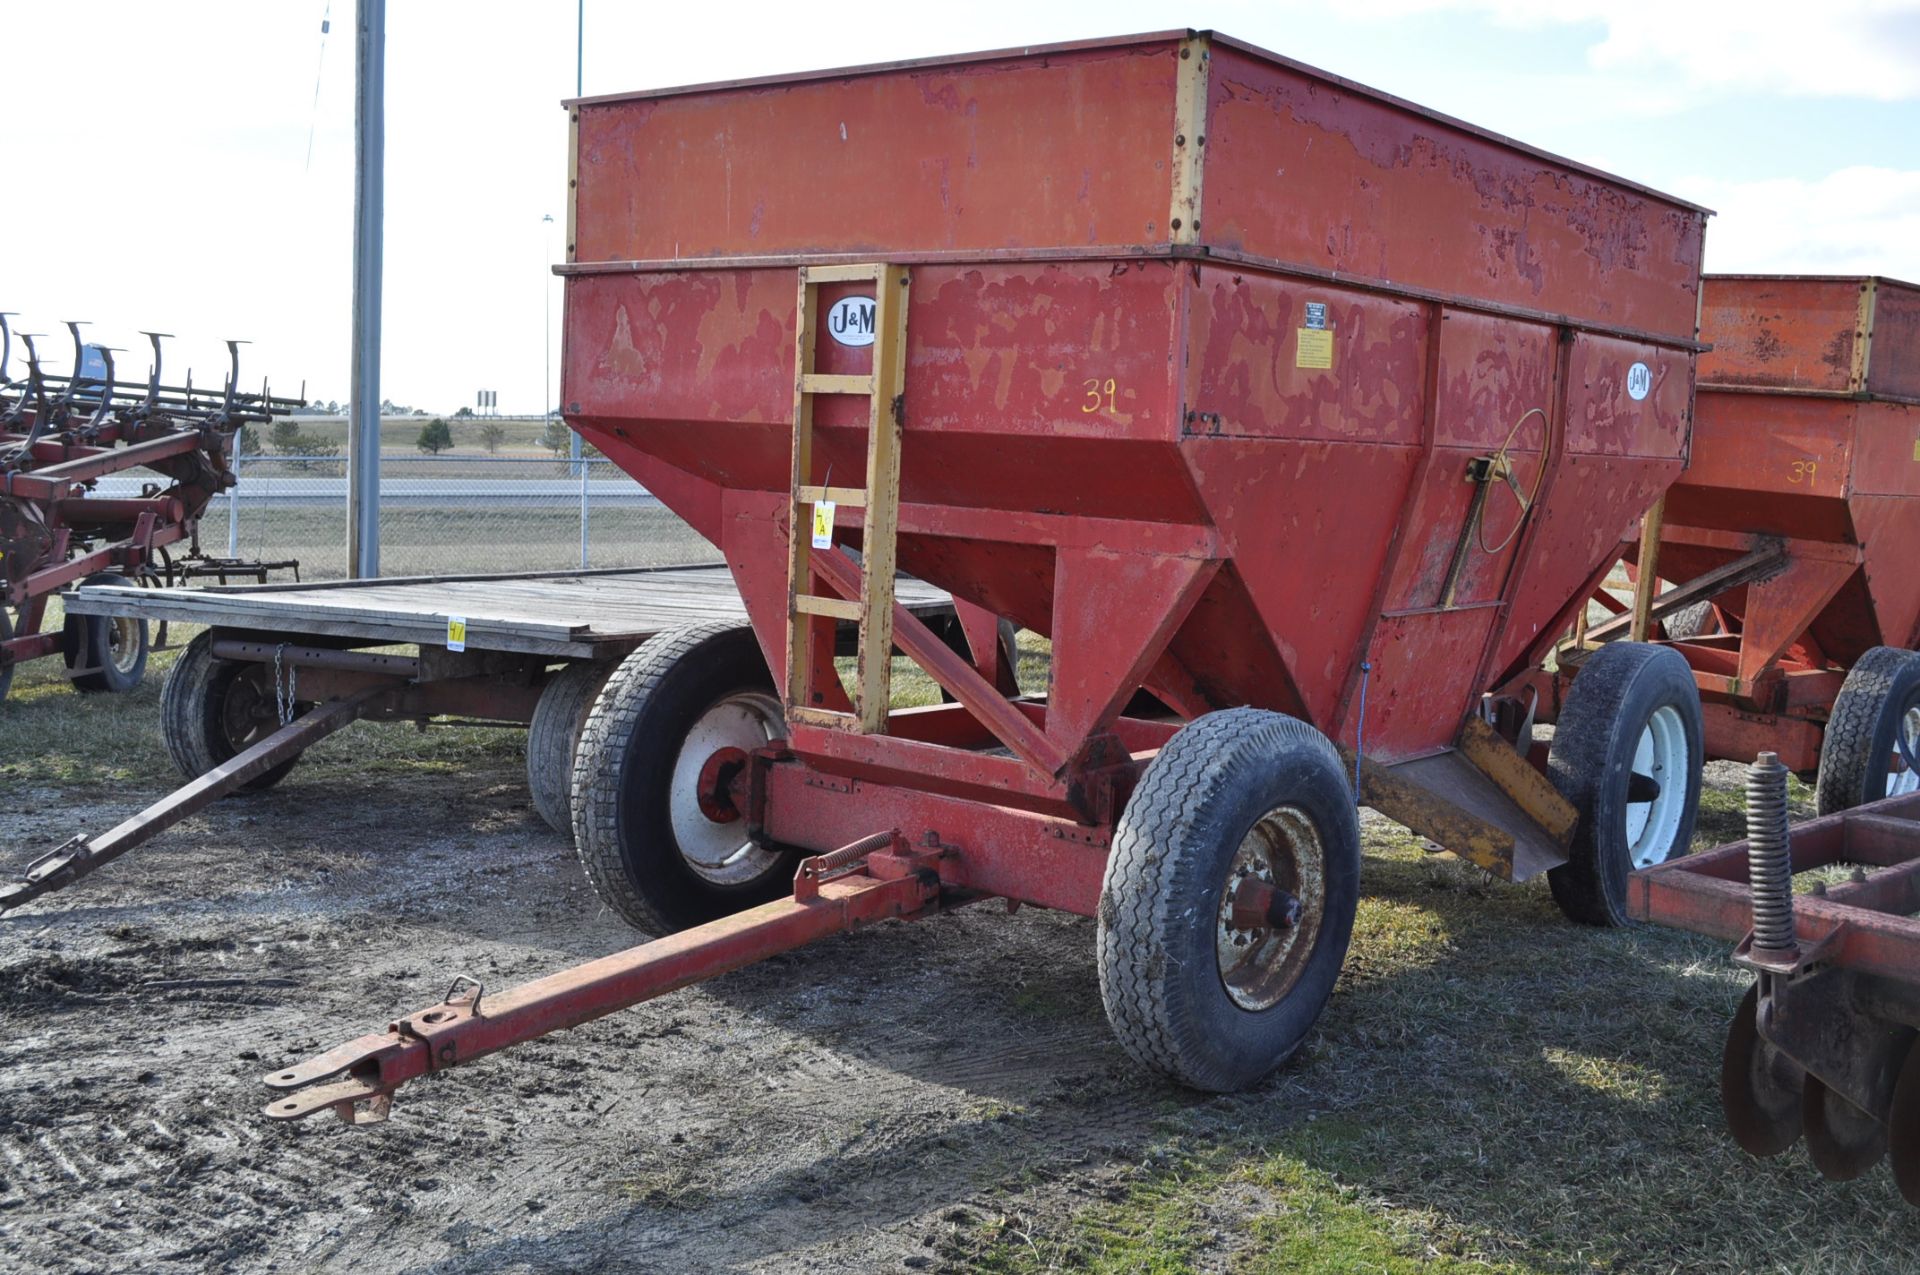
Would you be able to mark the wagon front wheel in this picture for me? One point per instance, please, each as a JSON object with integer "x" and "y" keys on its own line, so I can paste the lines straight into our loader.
{"x": 211, "y": 710}
{"x": 653, "y": 819}
{"x": 1229, "y": 899}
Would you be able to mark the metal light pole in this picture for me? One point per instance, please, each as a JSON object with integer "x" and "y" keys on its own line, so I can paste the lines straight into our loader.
{"x": 363, "y": 402}
{"x": 574, "y": 450}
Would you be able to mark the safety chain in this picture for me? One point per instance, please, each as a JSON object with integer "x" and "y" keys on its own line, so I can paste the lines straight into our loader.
{"x": 284, "y": 700}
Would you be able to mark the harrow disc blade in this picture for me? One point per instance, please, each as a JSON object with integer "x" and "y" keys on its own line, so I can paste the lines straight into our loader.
{"x": 1842, "y": 1141}
{"x": 1760, "y": 1087}
{"x": 1903, "y": 1130}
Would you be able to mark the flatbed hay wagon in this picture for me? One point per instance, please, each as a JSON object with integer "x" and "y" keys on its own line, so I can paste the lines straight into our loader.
{"x": 279, "y": 668}
{"x": 1788, "y": 543}
{"x": 1300, "y": 420}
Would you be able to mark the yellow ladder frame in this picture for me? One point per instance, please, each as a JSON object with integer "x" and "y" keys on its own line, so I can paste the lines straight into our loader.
{"x": 879, "y": 500}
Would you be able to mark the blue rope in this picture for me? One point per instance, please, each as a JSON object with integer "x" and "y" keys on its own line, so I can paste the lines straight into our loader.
{"x": 1360, "y": 728}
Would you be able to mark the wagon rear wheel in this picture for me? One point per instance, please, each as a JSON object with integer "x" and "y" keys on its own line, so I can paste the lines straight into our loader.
{"x": 553, "y": 739}
{"x": 1626, "y": 752}
{"x": 653, "y": 822}
{"x": 212, "y": 709}
{"x": 1229, "y": 899}
{"x": 1872, "y": 740}
{"x": 112, "y": 647}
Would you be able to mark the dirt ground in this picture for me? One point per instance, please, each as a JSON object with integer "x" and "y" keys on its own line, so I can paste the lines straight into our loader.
{"x": 942, "y": 1095}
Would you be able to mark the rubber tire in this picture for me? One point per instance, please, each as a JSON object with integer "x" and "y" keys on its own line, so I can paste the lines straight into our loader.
{"x": 1691, "y": 622}
{"x": 1159, "y": 973}
{"x": 553, "y": 739}
{"x": 88, "y": 642}
{"x": 1616, "y": 694}
{"x": 622, "y": 828}
{"x": 193, "y": 709}
{"x": 1860, "y": 730}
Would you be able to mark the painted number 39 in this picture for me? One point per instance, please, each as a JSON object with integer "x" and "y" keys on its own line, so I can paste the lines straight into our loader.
{"x": 1801, "y": 471}
{"x": 1099, "y": 394}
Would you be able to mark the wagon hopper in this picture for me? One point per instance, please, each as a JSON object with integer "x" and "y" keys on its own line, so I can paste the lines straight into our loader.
{"x": 1299, "y": 419}
{"x": 1789, "y": 539}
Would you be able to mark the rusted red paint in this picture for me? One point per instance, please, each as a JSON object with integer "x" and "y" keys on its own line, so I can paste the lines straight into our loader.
{"x": 1800, "y": 433}
{"x": 1058, "y": 401}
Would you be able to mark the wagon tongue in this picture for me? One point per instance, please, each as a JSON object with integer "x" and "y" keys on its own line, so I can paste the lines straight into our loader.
{"x": 871, "y": 880}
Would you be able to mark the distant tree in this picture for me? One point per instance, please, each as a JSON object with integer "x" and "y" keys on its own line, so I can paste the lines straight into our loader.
{"x": 463, "y": 413}
{"x": 333, "y": 408}
{"x": 492, "y": 435}
{"x": 287, "y": 438}
{"x": 556, "y": 437}
{"x": 248, "y": 443}
{"x": 435, "y": 437}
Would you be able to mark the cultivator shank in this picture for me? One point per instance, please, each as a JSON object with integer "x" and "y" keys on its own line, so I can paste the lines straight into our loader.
{"x": 59, "y": 436}
{"x": 1822, "y": 1046}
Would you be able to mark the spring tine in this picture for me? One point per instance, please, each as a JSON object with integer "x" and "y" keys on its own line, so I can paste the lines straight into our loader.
{"x": 153, "y": 377}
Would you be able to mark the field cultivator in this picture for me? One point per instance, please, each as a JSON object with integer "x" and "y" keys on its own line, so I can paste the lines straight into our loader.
{"x": 59, "y": 436}
{"x": 1788, "y": 543}
{"x": 1302, "y": 490}
{"x": 1821, "y": 1048}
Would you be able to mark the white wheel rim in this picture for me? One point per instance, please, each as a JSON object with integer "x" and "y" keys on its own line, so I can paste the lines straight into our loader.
{"x": 1663, "y": 756}
{"x": 720, "y": 852}
{"x": 1902, "y": 778}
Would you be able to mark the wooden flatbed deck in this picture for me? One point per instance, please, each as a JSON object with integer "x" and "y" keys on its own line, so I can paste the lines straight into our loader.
{"x": 577, "y": 614}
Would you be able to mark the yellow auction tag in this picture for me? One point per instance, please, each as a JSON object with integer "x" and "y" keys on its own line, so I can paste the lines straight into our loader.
{"x": 456, "y": 633}
{"x": 823, "y": 524}
{"x": 1316, "y": 348}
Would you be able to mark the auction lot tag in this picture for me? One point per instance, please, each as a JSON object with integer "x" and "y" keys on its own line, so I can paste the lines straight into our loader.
{"x": 456, "y": 633}
{"x": 823, "y": 524}
{"x": 1316, "y": 349}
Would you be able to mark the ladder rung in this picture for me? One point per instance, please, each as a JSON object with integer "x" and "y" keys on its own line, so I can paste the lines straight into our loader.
{"x": 838, "y": 608}
{"x": 802, "y": 715}
{"x": 851, "y": 497}
{"x": 841, "y": 274}
{"x": 832, "y": 383}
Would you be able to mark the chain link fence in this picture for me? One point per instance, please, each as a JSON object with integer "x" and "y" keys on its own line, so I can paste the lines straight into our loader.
{"x": 451, "y": 514}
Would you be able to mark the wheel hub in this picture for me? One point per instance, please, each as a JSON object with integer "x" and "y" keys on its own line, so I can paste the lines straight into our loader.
{"x": 1270, "y": 908}
{"x": 716, "y": 784}
{"x": 707, "y": 827}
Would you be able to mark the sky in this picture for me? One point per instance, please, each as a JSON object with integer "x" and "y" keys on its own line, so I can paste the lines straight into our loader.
{"x": 187, "y": 165}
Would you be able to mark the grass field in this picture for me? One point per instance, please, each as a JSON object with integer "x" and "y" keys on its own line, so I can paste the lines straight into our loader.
{"x": 1491, "y": 1090}
{"x": 478, "y": 537}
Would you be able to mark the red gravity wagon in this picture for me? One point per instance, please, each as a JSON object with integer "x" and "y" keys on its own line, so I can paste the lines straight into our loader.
{"x": 1300, "y": 420}
{"x": 1789, "y": 541}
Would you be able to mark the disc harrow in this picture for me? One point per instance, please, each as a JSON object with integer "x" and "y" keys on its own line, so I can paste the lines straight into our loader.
{"x": 59, "y": 436}
{"x": 1821, "y": 1049}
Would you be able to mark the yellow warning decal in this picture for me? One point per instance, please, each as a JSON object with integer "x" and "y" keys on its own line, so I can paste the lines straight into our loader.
{"x": 1316, "y": 348}
{"x": 456, "y": 633}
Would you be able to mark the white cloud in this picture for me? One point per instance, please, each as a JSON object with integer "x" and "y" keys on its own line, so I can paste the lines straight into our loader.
{"x": 1854, "y": 221}
{"x": 1841, "y": 48}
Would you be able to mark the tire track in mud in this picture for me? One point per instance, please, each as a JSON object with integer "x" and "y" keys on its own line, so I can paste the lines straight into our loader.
{"x": 822, "y": 1107}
